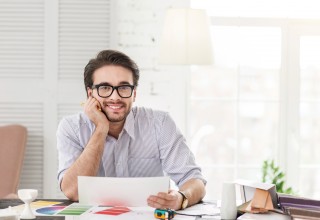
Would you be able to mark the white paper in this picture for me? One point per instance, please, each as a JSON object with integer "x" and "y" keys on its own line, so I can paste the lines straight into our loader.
{"x": 135, "y": 213}
{"x": 119, "y": 191}
{"x": 204, "y": 209}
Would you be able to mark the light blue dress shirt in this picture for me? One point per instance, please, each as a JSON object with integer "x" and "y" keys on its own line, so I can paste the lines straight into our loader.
{"x": 149, "y": 145}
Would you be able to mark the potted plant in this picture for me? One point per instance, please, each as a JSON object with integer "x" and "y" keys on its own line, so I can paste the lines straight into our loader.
{"x": 272, "y": 174}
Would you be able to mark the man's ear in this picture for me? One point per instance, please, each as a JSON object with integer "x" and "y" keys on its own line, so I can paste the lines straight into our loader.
{"x": 89, "y": 92}
{"x": 134, "y": 94}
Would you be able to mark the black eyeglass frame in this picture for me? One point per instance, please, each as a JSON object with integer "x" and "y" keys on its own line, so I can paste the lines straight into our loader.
{"x": 113, "y": 88}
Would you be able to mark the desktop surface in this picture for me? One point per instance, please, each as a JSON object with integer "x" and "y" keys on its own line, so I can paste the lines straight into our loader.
{"x": 98, "y": 212}
{"x": 5, "y": 203}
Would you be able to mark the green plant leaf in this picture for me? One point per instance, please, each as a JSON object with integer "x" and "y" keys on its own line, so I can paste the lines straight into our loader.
{"x": 273, "y": 174}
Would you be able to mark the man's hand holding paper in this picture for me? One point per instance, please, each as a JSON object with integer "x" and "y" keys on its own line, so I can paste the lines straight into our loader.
{"x": 112, "y": 191}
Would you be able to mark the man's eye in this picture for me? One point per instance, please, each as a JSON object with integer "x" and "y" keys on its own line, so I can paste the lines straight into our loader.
{"x": 105, "y": 88}
{"x": 124, "y": 87}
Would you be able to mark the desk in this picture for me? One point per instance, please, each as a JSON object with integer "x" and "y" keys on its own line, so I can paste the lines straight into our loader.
{"x": 139, "y": 213}
{"x": 5, "y": 203}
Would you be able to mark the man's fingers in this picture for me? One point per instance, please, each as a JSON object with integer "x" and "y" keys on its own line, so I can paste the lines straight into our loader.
{"x": 162, "y": 200}
{"x": 92, "y": 102}
{"x": 167, "y": 196}
{"x": 155, "y": 205}
{"x": 157, "y": 200}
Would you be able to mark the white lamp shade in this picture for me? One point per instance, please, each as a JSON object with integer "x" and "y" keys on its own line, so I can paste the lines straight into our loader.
{"x": 186, "y": 38}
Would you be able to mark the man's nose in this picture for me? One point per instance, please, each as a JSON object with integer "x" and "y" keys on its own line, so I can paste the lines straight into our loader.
{"x": 115, "y": 95}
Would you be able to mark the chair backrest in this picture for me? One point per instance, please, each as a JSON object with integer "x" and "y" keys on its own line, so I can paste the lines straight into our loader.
{"x": 13, "y": 140}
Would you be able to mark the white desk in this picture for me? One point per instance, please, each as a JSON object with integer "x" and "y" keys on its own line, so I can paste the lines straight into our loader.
{"x": 141, "y": 213}
{"x": 147, "y": 213}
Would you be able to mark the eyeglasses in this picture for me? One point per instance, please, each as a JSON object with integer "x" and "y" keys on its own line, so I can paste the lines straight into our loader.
{"x": 104, "y": 91}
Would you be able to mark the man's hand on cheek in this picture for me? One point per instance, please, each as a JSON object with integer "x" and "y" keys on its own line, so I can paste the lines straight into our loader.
{"x": 92, "y": 109}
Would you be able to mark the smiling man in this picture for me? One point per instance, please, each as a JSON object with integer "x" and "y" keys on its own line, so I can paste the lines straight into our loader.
{"x": 111, "y": 138}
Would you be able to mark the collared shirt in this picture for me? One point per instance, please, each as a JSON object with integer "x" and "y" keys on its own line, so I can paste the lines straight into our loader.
{"x": 149, "y": 145}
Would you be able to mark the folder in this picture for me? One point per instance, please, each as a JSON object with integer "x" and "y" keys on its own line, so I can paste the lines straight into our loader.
{"x": 257, "y": 197}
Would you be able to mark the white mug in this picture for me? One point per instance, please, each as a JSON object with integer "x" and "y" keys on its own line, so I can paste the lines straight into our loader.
{"x": 228, "y": 208}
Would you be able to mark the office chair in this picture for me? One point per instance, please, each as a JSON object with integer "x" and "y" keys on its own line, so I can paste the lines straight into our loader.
{"x": 13, "y": 140}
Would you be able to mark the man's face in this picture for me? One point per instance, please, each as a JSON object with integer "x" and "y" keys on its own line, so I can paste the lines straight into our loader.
{"x": 115, "y": 108}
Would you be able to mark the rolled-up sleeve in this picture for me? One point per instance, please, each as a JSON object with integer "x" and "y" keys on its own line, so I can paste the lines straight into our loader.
{"x": 177, "y": 159}
{"x": 68, "y": 145}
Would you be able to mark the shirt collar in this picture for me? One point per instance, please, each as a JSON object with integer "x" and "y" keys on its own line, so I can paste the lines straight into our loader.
{"x": 129, "y": 124}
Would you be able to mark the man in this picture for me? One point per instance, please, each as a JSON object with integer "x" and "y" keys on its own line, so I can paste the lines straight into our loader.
{"x": 112, "y": 138}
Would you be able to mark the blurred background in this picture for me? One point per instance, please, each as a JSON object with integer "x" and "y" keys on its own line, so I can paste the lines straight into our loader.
{"x": 258, "y": 100}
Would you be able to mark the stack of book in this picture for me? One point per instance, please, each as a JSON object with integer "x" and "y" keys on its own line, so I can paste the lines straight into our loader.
{"x": 299, "y": 207}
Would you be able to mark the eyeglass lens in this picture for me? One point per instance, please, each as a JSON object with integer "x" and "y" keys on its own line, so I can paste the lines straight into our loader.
{"x": 123, "y": 91}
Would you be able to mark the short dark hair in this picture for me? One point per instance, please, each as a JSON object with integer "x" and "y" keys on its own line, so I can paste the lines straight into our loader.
{"x": 110, "y": 57}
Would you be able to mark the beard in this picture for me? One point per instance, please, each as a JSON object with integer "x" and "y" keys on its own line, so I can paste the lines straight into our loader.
{"x": 112, "y": 117}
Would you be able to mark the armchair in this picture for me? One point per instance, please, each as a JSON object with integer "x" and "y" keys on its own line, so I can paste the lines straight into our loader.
{"x": 13, "y": 140}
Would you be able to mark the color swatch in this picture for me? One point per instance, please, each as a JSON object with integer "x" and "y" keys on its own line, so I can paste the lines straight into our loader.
{"x": 114, "y": 211}
{"x": 50, "y": 210}
{"x": 74, "y": 209}
{"x": 43, "y": 203}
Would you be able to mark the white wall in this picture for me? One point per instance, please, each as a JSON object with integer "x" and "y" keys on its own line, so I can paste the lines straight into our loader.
{"x": 45, "y": 46}
{"x": 139, "y": 26}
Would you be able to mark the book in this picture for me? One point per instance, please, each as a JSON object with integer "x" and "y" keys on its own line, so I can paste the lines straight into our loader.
{"x": 302, "y": 213}
{"x": 299, "y": 207}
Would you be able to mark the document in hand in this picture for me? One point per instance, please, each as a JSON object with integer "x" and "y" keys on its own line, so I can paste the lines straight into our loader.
{"x": 119, "y": 191}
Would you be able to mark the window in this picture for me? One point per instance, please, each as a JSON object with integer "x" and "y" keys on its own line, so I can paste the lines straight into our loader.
{"x": 259, "y": 100}
{"x": 309, "y": 118}
{"x": 236, "y": 102}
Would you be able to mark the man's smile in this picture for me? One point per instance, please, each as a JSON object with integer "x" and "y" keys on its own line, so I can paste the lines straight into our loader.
{"x": 115, "y": 106}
